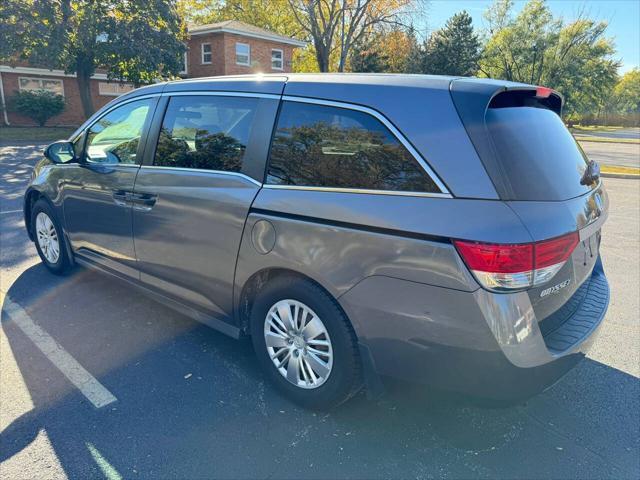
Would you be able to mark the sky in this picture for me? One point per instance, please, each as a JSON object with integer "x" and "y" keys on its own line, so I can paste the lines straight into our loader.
{"x": 623, "y": 17}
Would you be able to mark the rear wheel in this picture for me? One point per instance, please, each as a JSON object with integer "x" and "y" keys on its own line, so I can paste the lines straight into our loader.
{"x": 305, "y": 343}
{"x": 49, "y": 240}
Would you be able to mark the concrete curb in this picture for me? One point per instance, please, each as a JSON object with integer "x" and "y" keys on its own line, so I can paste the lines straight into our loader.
{"x": 620, "y": 175}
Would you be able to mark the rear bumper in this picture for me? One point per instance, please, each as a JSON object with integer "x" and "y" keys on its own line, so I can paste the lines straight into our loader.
{"x": 478, "y": 343}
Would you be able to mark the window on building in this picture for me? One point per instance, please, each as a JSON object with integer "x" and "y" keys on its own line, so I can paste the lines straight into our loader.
{"x": 277, "y": 57}
{"x": 115, "y": 137}
{"x": 52, "y": 85}
{"x": 205, "y": 132}
{"x": 243, "y": 54}
{"x": 113, "y": 89}
{"x": 184, "y": 70}
{"x": 206, "y": 53}
{"x": 322, "y": 146}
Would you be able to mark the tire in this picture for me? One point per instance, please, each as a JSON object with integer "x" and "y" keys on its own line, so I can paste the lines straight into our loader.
{"x": 340, "y": 356}
{"x": 47, "y": 235}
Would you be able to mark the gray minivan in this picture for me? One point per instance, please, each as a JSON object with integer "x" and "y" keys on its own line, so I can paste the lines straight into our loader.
{"x": 435, "y": 229}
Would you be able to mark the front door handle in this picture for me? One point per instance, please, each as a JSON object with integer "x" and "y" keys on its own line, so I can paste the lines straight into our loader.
{"x": 143, "y": 201}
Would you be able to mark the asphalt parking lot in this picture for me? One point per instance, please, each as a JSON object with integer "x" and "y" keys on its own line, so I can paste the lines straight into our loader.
{"x": 189, "y": 402}
{"x": 620, "y": 154}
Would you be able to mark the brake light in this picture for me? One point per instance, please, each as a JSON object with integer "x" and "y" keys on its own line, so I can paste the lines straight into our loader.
{"x": 504, "y": 267}
{"x": 543, "y": 92}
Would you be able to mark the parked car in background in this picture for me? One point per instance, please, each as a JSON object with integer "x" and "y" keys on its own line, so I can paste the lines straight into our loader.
{"x": 440, "y": 230}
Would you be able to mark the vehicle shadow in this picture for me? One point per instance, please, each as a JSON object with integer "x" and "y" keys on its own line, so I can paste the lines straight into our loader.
{"x": 191, "y": 403}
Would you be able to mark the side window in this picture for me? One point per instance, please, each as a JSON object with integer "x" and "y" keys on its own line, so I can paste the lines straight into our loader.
{"x": 114, "y": 139}
{"x": 322, "y": 146}
{"x": 205, "y": 132}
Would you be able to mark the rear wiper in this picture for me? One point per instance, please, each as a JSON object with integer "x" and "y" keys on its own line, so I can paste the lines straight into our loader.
{"x": 591, "y": 174}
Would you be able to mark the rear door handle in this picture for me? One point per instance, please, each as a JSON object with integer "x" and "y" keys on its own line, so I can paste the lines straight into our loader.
{"x": 120, "y": 197}
{"x": 143, "y": 201}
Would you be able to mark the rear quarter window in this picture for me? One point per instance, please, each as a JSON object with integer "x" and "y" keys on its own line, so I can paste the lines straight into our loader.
{"x": 325, "y": 146}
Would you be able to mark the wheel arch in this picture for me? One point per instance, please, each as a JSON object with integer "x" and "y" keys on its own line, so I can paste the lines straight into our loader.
{"x": 30, "y": 198}
{"x": 256, "y": 282}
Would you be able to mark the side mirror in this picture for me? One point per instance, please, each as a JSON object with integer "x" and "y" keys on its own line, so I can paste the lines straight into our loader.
{"x": 61, "y": 152}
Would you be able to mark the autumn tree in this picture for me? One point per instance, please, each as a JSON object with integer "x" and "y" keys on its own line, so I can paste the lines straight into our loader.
{"x": 133, "y": 40}
{"x": 338, "y": 25}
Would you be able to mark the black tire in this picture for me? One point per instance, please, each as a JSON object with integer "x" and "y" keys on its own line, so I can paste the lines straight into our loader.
{"x": 345, "y": 378}
{"x": 63, "y": 264}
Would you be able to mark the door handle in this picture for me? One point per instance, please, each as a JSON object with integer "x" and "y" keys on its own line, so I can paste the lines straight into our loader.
{"x": 120, "y": 197}
{"x": 143, "y": 201}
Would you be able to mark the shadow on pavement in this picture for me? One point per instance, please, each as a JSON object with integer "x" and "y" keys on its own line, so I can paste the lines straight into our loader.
{"x": 192, "y": 403}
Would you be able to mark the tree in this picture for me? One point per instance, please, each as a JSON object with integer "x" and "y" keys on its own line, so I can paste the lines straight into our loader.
{"x": 341, "y": 24}
{"x": 274, "y": 15}
{"x": 133, "y": 40}
{"x": 368, "y": 56}
{"x": 573, "y": 58}
{"x": 454, "y": 49}
{"x": 414, "y": 56}
{"x": 39, "y": 105}
{"x": 627, "y": 93}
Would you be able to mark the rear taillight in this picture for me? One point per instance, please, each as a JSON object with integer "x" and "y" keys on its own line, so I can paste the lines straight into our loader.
{"x": 504, "y": 267}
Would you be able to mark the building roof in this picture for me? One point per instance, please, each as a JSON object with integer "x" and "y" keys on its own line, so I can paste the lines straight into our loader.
{"x": 241, "y": 28}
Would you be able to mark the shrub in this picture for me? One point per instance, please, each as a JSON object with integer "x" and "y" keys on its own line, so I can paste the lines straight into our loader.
{"x": 38, "y": 105}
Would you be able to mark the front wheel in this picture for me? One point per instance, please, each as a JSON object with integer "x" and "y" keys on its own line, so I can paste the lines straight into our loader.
{"x": 49, "y": 240}
{"x": 305, "y": 343}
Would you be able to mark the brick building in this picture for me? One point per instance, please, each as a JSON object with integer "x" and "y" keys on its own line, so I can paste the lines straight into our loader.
{"x": 223, "y": 48}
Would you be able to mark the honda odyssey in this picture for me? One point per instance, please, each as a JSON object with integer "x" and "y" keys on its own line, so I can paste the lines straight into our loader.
{"x": 436, "y": 229}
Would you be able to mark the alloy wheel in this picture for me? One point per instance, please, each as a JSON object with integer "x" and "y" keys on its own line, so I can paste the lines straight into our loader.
{"x": 47, "y": 237}
{"x": 298, "y": 344}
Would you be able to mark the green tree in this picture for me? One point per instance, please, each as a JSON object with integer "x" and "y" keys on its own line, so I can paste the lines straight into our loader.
{"x": 415, "y": 55}
{"x": 274, "y": 15}
{"x": 627, "y": 93}
{"x": 454, "y": 49}
{"x": 367, "y": 56}
{"x": 534, "y": 47}
{"x": 38, "y": 105}
{"x": 133, "y": 40}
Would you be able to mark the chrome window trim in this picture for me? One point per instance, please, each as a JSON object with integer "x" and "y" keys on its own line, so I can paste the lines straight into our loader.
{"x": 203, "y": 170}
{"x": 219, "y": 93}
{"x": 399, "y": 136}
{"x": 362, "y": 191}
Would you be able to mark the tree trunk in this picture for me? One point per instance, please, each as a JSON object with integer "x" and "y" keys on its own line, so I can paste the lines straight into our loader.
{"x": 322, "y": 56}
{"x": 83, "y": 76}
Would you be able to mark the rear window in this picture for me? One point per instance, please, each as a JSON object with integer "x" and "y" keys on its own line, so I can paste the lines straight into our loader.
{"x": 536, "y": 155}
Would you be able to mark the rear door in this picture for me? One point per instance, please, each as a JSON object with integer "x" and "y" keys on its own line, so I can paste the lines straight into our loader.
{"x": 204, "y": 167}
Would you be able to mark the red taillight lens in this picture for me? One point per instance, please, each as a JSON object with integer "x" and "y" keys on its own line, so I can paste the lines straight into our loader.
{"x": 496, "y": 258}
{"x": 556, "y": 250}
{"x": 543, "y": 92}
{"x": 503, "y": 267}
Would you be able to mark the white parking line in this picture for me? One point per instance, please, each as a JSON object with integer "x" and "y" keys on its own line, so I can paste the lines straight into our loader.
{"x": 10, "y": 211}
{"x": 91, "y": 388}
